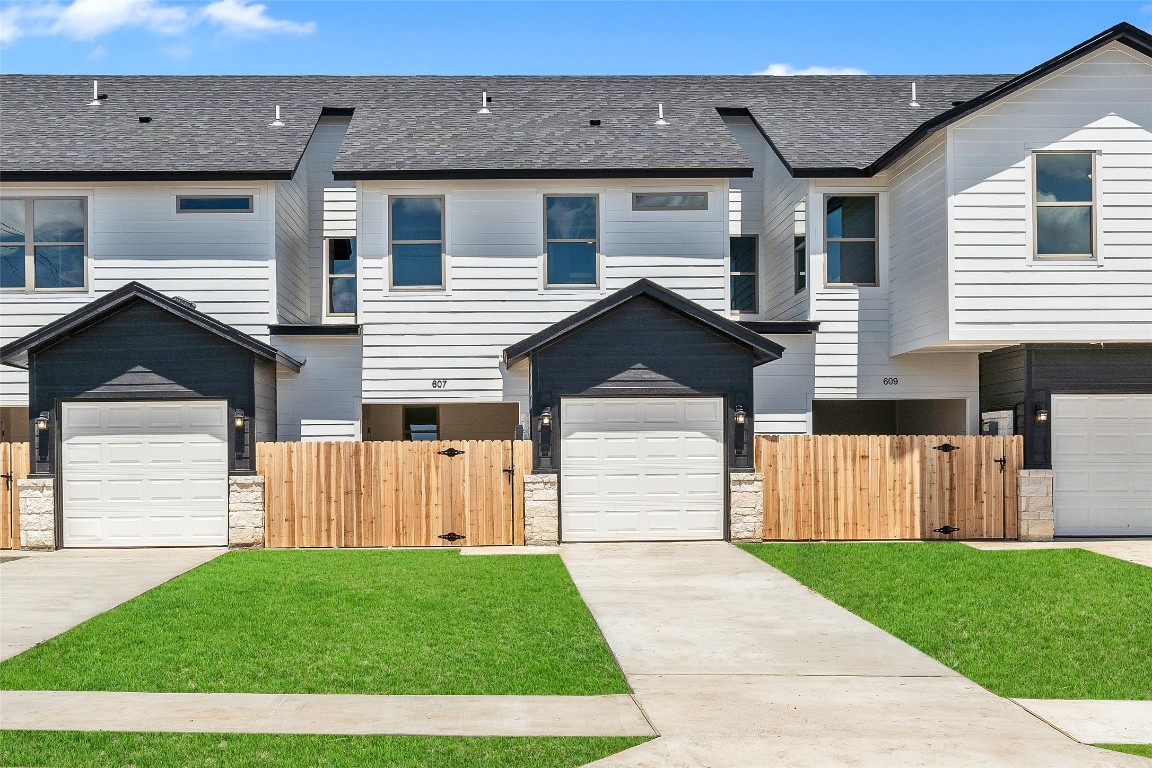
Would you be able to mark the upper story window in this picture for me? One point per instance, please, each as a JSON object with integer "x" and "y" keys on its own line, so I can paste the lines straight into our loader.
{"x": 850, "y": 239}
{"x": 743, "y": 252}
{"x": 43, "y": 243}
{"x": 416, "y": 241}
{"x": 571, "y": 238}
{"x": 214, "y": 203}
{"x": 1063, "y": 198}
{"x": 340, "y": 255}
{"x": 800, "y": 245}
{"x": 669, "y": 201}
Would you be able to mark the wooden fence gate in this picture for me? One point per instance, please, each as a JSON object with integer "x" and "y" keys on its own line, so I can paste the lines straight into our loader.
{"x": 394, "y": 494}
{"x": 829, "y": 487}
{"x": 13, "y": 468}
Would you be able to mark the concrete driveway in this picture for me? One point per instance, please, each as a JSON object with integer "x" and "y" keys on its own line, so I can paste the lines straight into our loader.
{"x": 737, "y": 665}
{"x": 45, "y": 593}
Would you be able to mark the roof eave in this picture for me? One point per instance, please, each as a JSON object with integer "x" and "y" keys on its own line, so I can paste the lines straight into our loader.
{"x": 543, "y": 173}
{"x": 15, "y": 176}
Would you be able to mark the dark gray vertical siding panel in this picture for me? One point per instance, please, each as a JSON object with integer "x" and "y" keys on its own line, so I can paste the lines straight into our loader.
{"x": 1089, "y": 369}
{"x": 142, "y": 353}
{"x": 1002, "y": 378}
{"x": 643, "y": 349}
{"x": 264, "y": 376}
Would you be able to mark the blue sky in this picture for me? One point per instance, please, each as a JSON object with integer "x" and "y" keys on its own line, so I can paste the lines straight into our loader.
{"x": 365, "y": 37}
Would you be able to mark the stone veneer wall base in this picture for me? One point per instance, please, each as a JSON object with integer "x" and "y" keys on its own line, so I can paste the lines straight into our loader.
{"x": 37, "y": 512}
{"x": 746, "y": 500}
{"x": 246, "y": 511}
{"x": 1035, "y": 517}
{"x": 541, "y": 510}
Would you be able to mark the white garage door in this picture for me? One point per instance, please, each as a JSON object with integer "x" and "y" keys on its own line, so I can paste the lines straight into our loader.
{"x": 145, "y": 474}
{"x": 1102, "y": 461}
{"x": 642, "y": 469}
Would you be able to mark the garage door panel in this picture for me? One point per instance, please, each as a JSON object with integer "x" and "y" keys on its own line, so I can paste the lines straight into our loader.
{"x": 1101, "y": 453}
{"x": 639, "y": 469}
{"x": 145, "y": 474}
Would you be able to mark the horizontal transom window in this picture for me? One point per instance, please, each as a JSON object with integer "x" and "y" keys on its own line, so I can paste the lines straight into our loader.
{"x": 214, "y": 203}
{"x": 669, "y": 201}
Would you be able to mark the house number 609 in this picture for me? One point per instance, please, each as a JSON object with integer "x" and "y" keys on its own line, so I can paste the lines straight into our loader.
{"x": 439, "y": 383}
{"x": 891, "y": 381}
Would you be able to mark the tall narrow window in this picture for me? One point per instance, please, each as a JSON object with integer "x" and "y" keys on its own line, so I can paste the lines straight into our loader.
{"x": 416, "y": 240}
{"x": 743, "y": 269}
{"x": 1063, "y": 197}
{"x": 43, "y": 243}
{"x": 850, "y": 237}
{"x": 800, "y": 245}
{"x": 421, "y": 422}
{"x": 570, "y": 234}
{"x": 341, "y": 258}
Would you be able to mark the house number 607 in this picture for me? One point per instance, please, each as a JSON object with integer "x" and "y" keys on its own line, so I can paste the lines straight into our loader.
{"x": 439, "y": 383}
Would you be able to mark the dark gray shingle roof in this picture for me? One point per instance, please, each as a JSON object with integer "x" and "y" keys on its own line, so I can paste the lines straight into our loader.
{"x": 411, "y": 125}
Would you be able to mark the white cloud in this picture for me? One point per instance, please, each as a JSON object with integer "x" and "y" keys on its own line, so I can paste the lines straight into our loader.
{"x": 787, "y": 70}
{"x": 97, "y": 53}
{"x": 242, "y": 18}
{"x": 89, "y": 19}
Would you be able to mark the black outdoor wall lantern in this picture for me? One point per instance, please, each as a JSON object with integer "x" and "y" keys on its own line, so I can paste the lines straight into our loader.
{"x": 43, "y": 442}
{"x": 545, "y": 441}
{"x": 740, "y": 417}
{"x": 1041, "y": 414}
{"x": 240, "y": 426}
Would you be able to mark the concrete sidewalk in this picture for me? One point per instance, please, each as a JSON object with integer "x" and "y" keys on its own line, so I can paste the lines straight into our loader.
{"x": 1137, "y": 551}
{"x": 45, "y": 593}
{"x": 738, "y": 665}
{"x": 1096, "y": 722}
{"x": 323, "y": 714}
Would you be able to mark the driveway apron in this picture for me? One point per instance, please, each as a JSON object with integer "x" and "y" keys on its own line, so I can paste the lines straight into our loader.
{"x": 736, "y": 664}
{"x": 45, "y": 593}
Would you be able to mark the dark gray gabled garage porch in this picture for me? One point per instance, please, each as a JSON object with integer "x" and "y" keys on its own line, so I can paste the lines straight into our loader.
{"x": 142, "y": 410}
{"x": 641, "y": 413}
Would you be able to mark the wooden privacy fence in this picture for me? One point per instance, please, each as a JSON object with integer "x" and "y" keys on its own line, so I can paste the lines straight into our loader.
{"x": 394, "y": 494}
{"x": 13, "y": 467}
{"x": 828, "y": 487}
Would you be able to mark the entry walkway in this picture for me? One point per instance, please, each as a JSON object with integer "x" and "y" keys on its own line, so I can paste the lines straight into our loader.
{"x": 45, "y": 593}
{"x": 737, "y": 665}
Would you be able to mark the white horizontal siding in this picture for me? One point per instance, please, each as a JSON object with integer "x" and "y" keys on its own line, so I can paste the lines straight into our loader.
{"x": 331, "y": 206}
{"x": 292, "y": 292}
{"x": 1101, "y": 103}
{"x": 783, "y": 388}
{"x": 918, "y": 248}
{"x": 495, "y": 275}
{"x": 220, "y": 261}
{"x": 322, "y": 401}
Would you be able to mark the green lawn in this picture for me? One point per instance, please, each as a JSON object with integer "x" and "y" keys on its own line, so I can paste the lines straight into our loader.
{"x": 1045, "y": 624}
{"x": 75, "y": 749}
{"x": 1144, "y": 750}
{"x": 339, "y": 621}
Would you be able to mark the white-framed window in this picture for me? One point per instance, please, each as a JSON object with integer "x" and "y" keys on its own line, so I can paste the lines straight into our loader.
{"x": 571, "y": 240}
{"x": 851, "y": 240}
{"x": 669, "y": 201}
{"x": 43, "y": 243}
{"x": 743, "y": 253}
{"x": 800, "y": 246}
{"x": 340, "y": 266}
{"x": 416, "y": 241}
{"x": 1063, "y": 205}
{"x": 215, "y": 204}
